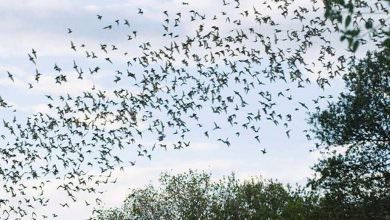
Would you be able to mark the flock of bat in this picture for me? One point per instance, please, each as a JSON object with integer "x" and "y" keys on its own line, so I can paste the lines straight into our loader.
{"x": 215, "y": 70}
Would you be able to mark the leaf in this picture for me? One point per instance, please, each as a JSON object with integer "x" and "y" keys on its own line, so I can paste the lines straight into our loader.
{"x": 347, "y": 20}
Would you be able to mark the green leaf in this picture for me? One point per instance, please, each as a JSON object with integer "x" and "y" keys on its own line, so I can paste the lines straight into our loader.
{"x": 347, "y": 20}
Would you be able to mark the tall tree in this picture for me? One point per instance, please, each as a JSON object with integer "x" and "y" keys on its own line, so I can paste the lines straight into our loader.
{"x": 356, "y": 131}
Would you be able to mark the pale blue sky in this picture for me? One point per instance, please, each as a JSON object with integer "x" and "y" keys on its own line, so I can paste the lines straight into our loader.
{"x": 42, "y": 25}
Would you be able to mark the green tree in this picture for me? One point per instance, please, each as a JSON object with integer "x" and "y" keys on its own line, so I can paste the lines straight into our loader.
{"x": 194, "y": 195}
{"x": 355, "y": 130}
{"x": 356, "y": 179}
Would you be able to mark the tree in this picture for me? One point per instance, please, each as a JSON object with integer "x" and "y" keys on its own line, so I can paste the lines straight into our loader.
{"x": 356, "y": 181}
{"x": 361, "y": 21}
{"x": 355, "y": 130}
{"x": 194, "y": 195}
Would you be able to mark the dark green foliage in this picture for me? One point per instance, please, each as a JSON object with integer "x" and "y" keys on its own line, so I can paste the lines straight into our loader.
{"x": 363, "y": 113}
{"x": 356, "y": 181}
{"x": 195, "y": 196}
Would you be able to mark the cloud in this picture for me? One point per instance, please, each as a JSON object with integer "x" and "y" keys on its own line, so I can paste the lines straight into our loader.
{"x": 92, "y": 8}
{"x": 38, "y": 7}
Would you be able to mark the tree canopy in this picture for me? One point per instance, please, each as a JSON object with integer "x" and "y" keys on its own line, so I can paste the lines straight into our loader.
{"x": 355, "y": 130}
{"x": 194, "y": 195}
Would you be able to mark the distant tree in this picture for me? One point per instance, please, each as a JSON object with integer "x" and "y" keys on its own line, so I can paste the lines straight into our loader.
{"x": 355, "y": 130}
{"x": 195, "y": 196}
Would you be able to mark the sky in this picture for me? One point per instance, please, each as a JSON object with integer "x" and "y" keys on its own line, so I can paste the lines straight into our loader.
{"x": 42, "y": 25}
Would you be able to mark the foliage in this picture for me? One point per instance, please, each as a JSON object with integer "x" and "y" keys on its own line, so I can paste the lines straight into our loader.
{"x": 359, "y": 18}
{"x": 355, "y": 131}
{"x": 194, "y": 195}
{"x": 356, "y": 181}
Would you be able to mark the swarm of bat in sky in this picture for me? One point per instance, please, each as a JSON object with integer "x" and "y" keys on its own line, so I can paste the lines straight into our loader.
{"x": 207, "y": 72}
